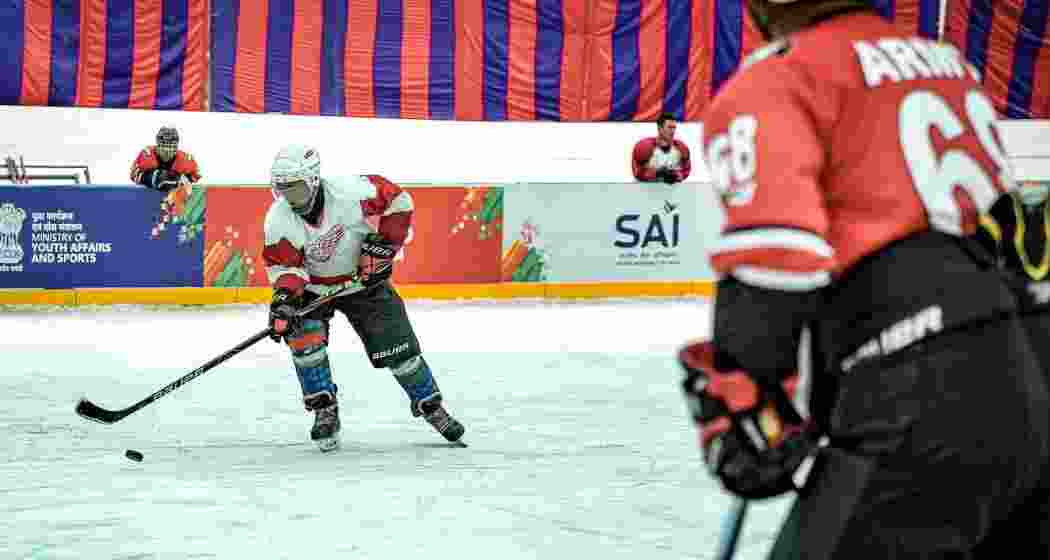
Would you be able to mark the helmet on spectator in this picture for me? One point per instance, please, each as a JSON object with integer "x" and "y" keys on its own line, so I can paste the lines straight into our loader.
{"x": 167, "y": 142}
{"x": 296, "y": 176}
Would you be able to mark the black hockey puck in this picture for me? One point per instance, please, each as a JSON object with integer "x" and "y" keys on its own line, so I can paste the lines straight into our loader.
{"x": 133, "y": 455}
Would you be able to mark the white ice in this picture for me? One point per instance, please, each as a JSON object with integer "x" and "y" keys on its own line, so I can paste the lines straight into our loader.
{"x": 580, "y": 446}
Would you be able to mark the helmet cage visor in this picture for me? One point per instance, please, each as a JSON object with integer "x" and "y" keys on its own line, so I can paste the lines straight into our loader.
{"x": 299, "y": 193}
{"x": 166, "y": 150}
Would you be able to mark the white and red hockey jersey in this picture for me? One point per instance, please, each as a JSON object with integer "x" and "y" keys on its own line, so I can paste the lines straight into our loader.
{"x": 299, "y": 255}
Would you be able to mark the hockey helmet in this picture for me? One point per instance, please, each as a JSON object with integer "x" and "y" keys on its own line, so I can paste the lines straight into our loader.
{"x": 296, "y": 176}
{"x": 775, "y": 18}
{"x": 167, "y": 142}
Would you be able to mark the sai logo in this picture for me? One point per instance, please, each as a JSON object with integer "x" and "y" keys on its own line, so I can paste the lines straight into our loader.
{"x": 656, "y": 230}
{"x": 11, "y": 220}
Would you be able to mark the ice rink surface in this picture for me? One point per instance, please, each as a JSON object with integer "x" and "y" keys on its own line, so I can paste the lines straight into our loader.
{"x": 580, "y": 446}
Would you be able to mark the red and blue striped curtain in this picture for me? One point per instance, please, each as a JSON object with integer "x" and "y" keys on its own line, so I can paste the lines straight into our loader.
{"x": 564, "y": 60}
{"x": 104, "y": 53}
{"x": 1009, "y": 42}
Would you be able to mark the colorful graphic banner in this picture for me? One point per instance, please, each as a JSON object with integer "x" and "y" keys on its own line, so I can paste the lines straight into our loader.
{"x": 612, "y": 232}
{"x": 104, "y": 53}
{"x": 455, "y": 237}
{"x": 95, "y": 236}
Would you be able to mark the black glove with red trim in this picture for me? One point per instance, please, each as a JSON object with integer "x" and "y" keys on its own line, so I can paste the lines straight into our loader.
{"x": 284, "y": 309}
{"x": 753, "y": 439}
{"x": 377, "y": 259}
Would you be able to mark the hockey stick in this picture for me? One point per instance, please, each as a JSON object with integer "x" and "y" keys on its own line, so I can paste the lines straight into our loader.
{"x": 95, "y": 413}
{"x": 731, "y": 527}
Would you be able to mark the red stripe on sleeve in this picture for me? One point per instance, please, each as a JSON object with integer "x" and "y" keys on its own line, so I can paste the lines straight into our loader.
{"x": 195, "y": 65}
{"x": 470, "y": 37}
{"x": 386, "y": 192}
{"x": 521, "y": 75}
{"x": 146, "y": 64}
{"x": 360, "y": 50}
{"x": 290, "y": 282}
{"x": 697, "y": 89}
{"x": 92, "y": 54}
{"x": 249, "y": 75}
{"x": 36, "y": 62}
{"x": 283, "y": 253}
{"x": 652, "y": 42}
{"x": 415, "y": 61}
{"x": 306, "y": 58}
{"x": 598, "y": 97}
{"x": 774, "y": 258}
{"x": 393, "y": 227}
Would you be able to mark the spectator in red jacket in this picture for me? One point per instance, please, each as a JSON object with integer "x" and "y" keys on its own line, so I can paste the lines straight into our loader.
{"x": 662, "y": 157}
{"x": 164, "y": 166}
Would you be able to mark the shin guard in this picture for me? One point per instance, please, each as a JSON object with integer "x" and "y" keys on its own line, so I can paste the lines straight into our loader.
{"x": 415, "y": 378}
{"x": 310, "y": 357}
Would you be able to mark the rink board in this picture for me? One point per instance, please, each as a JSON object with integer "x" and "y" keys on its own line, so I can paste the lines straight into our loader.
{"x": 221, "y": 296}
{"x": 202, "y": 245}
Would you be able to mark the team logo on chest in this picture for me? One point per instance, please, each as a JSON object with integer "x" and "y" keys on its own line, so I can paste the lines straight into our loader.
{"x": 322, "y": 248}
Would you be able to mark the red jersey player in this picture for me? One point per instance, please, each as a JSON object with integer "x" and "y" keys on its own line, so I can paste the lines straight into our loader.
{"x": 163, "y": 166}
{"x": 852, "y": 161}
{"x": 662, "y": 157}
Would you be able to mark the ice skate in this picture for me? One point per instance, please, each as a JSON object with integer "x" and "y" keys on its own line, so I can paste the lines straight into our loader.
{"x": 436, "y": 415}
{"x": 325, "y": 432}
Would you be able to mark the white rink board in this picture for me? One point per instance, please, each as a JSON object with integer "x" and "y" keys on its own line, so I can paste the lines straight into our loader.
{"x": 616, "y": 232}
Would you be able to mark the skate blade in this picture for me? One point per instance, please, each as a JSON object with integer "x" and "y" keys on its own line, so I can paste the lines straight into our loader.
{"x": 327, "y": 444}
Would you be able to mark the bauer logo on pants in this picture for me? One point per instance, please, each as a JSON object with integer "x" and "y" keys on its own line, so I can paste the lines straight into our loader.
{"x": 390, "y": 351}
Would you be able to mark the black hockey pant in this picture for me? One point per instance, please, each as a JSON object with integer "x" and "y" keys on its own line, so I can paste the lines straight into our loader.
{"x": 938, "y": 452}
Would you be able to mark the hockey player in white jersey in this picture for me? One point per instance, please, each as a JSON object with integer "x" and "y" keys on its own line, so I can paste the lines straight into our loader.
{"x": 317, "y": 236}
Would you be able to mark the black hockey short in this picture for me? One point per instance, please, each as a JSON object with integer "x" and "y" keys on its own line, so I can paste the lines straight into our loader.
{"x": 379, "y": 317}
{"x": 938, "y": 452}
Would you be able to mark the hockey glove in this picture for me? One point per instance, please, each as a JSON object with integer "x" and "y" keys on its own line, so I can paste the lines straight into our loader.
{"x": 284, "y": 307}
{"x": 377, "y": 259}
{"x": 667, "y": 175}
{"x": 753, "y": 439}
{"x": 166, "y": 180}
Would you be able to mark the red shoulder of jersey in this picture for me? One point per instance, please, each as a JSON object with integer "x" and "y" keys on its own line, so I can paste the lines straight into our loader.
{"x": 393, "y": 206}
{"x": 186, "y": 165}
{"x": 847, "y": 139}
{"x": 386, "y": 192}
{"x": 763, "y": 147}
{"x": 643, "y": 149}
{"x": 146, "y": 160}
{"x": 640, "y": 155}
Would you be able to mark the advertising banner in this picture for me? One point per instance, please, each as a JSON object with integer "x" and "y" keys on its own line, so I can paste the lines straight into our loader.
{"x": 97, "y": 236}
{"x": 233, "y": 237}
{"x": 455, "y": 236}
{"x": 608, "y": 232}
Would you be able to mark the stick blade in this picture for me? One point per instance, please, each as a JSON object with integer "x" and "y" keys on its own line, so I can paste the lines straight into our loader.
{"x": 91, "y": 411}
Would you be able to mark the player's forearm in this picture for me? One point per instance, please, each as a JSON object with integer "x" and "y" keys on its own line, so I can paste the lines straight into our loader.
{"x": 291, "y": 279}
{"x": 394, "y": 227}
{"x": 760, "y": 327}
